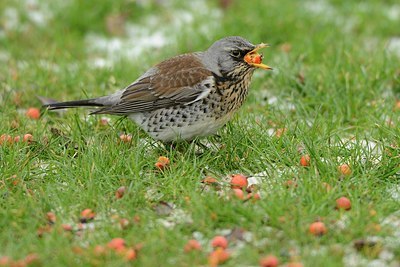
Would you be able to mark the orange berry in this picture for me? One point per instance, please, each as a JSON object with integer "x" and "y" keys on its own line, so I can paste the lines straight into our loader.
{"x": 305, "y": 160}
{"x": 28, "y": 138}
{"x": 120, "y": 192}
{"x": 280, "y": 131}
{"x": 209, "y": 180}
{"x": 257, "y": 59}
{"x": 162, "y": 163}
{"x": 117, "y": 244}
{"x": 219, "y": 241}
{"x": 67, "y": 227}
{"x": 192, "y": 244}
{"x": 130, "y": 254}
{"x": 51, "y": 217}
{"x": 33, "y": 113}
{"x": 269, "y": 261}
{"x": 218, "y": 256}
{"x": 31, "y": 258}
{"x": 254, "y": 196}
{"x": 238, "y": 193}
{"x": 17, "y": 139}
{"x": 125, "y": 138}
{"x": 238, "y": 181}
{"x": 87, "y": 215}
{"x": 5, "y": 261}
{"x": 344, "y": 169}
{"x": 343, "y": 203}
{"x": 6, "y": 139}
{"x": 317, "y": 228}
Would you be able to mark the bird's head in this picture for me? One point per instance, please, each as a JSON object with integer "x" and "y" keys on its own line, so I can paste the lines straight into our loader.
{"x": 234, "y": 56}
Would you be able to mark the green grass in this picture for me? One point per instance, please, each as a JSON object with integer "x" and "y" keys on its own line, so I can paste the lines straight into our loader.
{"x": 334, "y": 91}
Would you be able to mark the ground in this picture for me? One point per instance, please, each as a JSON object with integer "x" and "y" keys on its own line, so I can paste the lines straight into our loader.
{"x": 324, "y": 124}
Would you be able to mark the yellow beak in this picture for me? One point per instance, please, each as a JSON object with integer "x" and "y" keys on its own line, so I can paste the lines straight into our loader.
{"x": 255, "y": 59}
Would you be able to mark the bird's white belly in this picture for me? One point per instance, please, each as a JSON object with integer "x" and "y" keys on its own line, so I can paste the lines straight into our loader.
{"x": 206, "y": 126}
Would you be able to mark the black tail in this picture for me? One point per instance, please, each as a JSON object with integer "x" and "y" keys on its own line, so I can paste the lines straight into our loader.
{"x": 73, "y": 104}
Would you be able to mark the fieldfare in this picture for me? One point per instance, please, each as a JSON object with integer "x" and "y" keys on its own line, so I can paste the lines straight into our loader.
{"x": 187, "y": 96}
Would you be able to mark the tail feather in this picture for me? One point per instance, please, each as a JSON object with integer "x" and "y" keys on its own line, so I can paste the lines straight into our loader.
{"x": 73, "y": 104}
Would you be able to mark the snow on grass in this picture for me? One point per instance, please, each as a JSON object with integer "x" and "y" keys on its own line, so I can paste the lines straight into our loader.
{"x": 153, "y": 32}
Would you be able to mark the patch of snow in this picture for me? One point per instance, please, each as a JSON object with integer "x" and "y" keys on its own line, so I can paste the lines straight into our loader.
{"x": 393, "y": 46}
{"x": 393, "y": 12}
{"x": 152, "y": 33}
{"x": 394, "y": 192}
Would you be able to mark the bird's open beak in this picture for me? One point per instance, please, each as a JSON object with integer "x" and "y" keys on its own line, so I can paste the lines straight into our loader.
{"x": 255, "y": 59}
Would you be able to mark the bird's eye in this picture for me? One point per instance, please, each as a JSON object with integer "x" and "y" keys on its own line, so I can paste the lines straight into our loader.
{"x": 235, "y": 53}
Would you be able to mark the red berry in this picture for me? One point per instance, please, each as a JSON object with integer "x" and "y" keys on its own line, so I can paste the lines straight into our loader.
{"x": 219, "y": 241}
{"x": 33, "y": 113}
{"x": 305, "y": 160}
{"x": 217, "y": 257}
{"x": 343, "y": 203}
{"x": 239, "y": 181}
{"x": 192, "y": 244}
{"x": 116, "y": 244}
{"x": 318, "y": 228}
{"x": 120, "y": 192}
{"x": 269, "y": 261}
{"x": 27, "y": 138}
{"x": 162, "y": 163}
{"x": 238, "y": 193}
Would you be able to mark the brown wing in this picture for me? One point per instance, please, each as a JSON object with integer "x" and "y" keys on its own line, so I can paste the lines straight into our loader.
{"x": 176, "y": 81}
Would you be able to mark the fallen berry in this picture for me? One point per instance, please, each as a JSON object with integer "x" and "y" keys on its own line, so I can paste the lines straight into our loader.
{"x": 31, "y": 258}
{"x": 67, "y": 227}
{"x": 305, "y": 160}
{"x": 269, "y": 261}
{"x": 343, "y": 203}
{"x": 253, "y": 196}
{"x": 28, "y": 138}
{"x": 125, "y": 138}
{"x": 279, "y": 132}
{"x": 5, "y": 261}
{"x": 162, "y": 163}
{"x": 6, "y": 139}
{"x": 344, "y": 169}
{"x": 219, "y": 241}
{"x": 209, "y": 180}
{"x": 116, "y": 244}
{"x": 51, "y": 217}
{"x": 218, "y": 256}
{"x": 238, "y": 193}
{"x": 192, "y": 244}
{"x": 17, "y": 139}
{"x": 33, "y": 113}
{"x": 317, "y": 228}
{"x": 87, "y": 215}
{"x": 239, "y": 181}
{"x": 130, "y": 254}
{"x": 120, "y": 192}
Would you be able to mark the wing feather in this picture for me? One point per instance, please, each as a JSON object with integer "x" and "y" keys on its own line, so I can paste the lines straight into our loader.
{"x": 179, "y": 80}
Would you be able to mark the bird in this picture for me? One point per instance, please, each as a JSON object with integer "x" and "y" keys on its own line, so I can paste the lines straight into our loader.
{"x": 187, "y": 96}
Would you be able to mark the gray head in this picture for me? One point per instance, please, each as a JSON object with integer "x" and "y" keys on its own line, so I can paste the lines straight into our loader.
{"x": 232, "y": 56}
